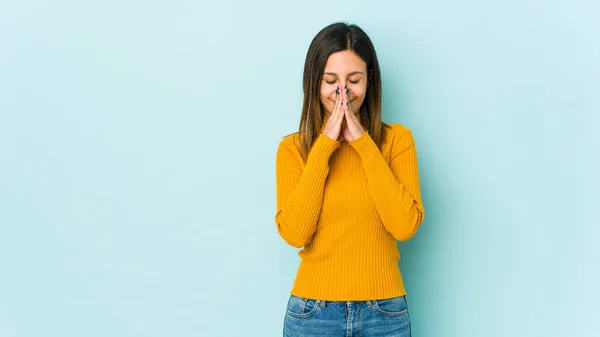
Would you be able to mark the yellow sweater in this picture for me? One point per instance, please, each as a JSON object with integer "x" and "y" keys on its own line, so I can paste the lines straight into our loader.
{"x": 347, "y": 205}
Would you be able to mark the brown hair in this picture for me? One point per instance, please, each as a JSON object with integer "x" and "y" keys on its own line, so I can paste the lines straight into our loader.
{"x": 337, "y": 37}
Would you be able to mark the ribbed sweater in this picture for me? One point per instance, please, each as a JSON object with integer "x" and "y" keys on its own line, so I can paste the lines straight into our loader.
{"x": 347, "y": 205}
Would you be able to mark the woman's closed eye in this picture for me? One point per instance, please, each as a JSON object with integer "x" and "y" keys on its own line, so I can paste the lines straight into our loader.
{"x": 333, "y": 82}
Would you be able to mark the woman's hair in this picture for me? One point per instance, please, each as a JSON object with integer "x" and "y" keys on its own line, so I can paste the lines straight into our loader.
{"x": 331, "y": 39}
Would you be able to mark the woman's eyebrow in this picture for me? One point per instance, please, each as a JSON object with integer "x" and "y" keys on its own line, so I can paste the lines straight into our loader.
{"x": 352, "y": 73}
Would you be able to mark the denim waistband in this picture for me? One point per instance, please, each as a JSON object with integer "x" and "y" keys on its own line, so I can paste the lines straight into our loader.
{"x": 322, "y": 303}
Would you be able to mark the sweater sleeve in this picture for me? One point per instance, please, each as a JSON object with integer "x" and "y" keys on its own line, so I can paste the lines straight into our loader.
{"x": 394, "y": 187}
{"x": 300, "y": 189}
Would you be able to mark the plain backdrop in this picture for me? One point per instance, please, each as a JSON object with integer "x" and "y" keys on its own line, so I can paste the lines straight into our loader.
{"x": 137, "y": 162}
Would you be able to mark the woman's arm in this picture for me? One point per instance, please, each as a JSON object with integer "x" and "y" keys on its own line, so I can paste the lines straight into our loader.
{"x": 300, "y": 191}
{"x": 395, "y": 187}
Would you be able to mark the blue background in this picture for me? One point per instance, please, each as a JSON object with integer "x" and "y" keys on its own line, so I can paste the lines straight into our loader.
{"x": 137, "y": 162}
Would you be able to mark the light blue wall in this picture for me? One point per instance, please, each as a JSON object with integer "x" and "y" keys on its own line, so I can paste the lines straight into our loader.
{"x": 137, "y": 163}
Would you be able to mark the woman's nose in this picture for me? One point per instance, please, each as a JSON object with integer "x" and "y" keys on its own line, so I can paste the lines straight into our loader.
{"x": 346, "y": 88}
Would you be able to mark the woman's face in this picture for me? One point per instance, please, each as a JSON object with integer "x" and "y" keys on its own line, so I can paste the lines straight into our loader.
{"x": 344, "y": 68}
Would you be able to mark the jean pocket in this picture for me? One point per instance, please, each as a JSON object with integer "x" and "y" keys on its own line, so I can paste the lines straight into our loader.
{"x": 301, "y": 307}
{"x": 395, "y": 306}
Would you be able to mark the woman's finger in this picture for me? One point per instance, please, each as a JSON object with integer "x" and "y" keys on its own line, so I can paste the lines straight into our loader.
{"x": 352, "y": 114}
{"x": 349, "y": 106}
{"x": 349, "y": 121}
{"x": 336, "y": 115}
{"x": 345, "y": 96}
{"x": 345, "y": 92}
{"x": 354, "y": 126}
{"x": 332, "y": 127}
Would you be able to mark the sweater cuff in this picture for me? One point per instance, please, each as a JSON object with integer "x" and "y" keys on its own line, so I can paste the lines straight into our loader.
{"x": 323, "y": 147}
{"x": 364, "y": 145}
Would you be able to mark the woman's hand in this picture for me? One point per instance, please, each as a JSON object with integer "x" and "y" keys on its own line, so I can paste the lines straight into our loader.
{"x": 353, "y": 128}
{"x": 334, "y": 123}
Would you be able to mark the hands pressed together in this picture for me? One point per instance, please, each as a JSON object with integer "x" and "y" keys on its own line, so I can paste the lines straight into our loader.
{"x": 342, "y": 111}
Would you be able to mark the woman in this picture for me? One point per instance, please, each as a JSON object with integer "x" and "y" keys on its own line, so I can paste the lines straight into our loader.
{"x": 347, "y": 190}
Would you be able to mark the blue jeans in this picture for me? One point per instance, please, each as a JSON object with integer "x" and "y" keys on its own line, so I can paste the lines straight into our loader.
{"x": 309, "y": 317}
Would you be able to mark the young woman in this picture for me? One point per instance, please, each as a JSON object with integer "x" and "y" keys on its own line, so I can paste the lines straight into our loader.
{"x": 347, "y": 190}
